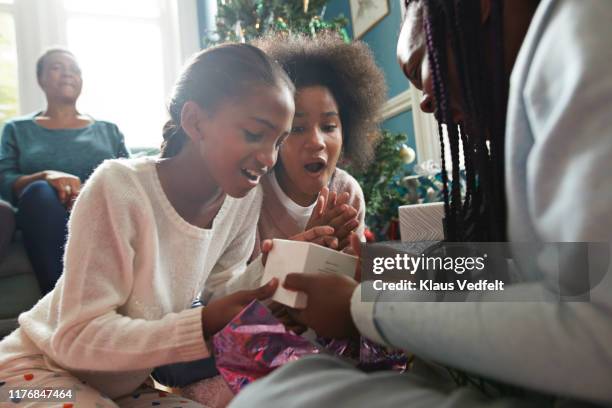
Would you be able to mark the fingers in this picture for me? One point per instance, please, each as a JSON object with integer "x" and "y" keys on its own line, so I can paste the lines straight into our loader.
{"x": 68, "y": 188}
{"x": 313, "y": 233}
{"x": 343, "y": 232}
{"x": 355, "y": 244}
{"x": 323, "y": 196}
{"x": 331, "y": 200}
{"x": 329, "y": 241}
{"x": 338, "y": 215}
{"x": 318, "y": 210}
{"x": 296, "y": 328}
{"x": 266, "y": 246}
{"x": 344, "y": 217}
{"x": 75, "y": 189}
{"x": 264, "y": 292}
{"x": 277, "y": 309}
{"x": 283, "y": 316}
{"x": 347, "y": 249}
{"x": 343, "y": 198}
{"x": 302, "y": 282}
{"x": 317, "y": 213}
{"x": 62, "y": 192}
{"x": 296, "y": 315}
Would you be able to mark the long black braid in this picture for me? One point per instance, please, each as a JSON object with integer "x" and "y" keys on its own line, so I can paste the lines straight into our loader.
{"x": 453, "y": 29}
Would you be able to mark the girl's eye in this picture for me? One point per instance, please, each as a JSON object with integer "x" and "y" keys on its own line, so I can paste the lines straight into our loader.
{"x": 329, "y": 128}
{"x": 297, "y": 129}
{"x": 252, "y": 137}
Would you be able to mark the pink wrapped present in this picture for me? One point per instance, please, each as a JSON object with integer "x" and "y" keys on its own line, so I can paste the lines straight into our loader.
{"x": 255, "y": 343}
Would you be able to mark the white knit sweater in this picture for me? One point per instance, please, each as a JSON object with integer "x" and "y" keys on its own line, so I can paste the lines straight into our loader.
{"x": 132, "y": 268}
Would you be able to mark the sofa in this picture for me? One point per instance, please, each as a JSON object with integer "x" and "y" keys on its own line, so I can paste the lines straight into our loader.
{"x": 19, "y": 289}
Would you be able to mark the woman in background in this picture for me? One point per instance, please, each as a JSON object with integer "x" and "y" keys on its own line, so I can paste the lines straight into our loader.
{"x": 46, "y": 156}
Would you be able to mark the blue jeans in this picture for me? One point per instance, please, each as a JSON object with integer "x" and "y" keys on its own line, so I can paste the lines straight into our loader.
{"x": 183, "y": 374}
{"x": 43, "y": 219}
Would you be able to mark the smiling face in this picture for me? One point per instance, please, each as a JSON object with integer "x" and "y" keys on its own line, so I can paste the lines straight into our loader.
{"x": 60, "y": 78}
{"x": 414, "y": 61}
{"x": 310, "y": 153}
{"x": 238, "y": 143}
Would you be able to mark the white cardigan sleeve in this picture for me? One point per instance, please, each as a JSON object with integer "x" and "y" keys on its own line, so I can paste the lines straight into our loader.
{"x": 83, "y": 328}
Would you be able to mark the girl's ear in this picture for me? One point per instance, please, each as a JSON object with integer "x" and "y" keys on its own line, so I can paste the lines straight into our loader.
{"x": 485, "y": 10}
{"x": 193, "y": 121}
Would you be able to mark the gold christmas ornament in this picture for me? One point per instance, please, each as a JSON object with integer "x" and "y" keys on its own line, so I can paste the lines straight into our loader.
{"x": 407, "y": 154}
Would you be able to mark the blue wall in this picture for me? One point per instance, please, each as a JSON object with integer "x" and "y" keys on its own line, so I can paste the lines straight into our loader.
{"x": 382, "y": 39}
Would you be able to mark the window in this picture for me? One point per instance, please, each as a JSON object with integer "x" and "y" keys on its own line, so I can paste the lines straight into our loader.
{"x": 427, "y": 135}
{"x": 130, "y": 53}
{"x": 9, "y": 94}
{"x": 123, "y": 70}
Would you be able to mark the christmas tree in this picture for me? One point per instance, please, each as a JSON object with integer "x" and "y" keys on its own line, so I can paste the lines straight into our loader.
{"x": 244, "y": 20}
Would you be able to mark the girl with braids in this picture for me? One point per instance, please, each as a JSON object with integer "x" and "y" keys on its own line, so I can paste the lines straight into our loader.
{"x": 146, "y": 235}
{"x": 339, "y": 94}
{"x": 547, "y": 64}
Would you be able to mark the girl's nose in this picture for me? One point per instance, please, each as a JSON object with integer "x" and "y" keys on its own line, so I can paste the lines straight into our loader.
{"x": 315, "y": 140}
{"x": 427, "y": 103}
{"x": 267, "y": 157}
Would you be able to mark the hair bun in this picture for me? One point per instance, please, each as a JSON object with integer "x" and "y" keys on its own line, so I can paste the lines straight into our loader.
{"x": 170, "y": 129}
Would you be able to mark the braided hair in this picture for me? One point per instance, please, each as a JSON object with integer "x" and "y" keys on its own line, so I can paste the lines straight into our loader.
{"x": 454, "y": 29}
{"x": 225, "y": 71}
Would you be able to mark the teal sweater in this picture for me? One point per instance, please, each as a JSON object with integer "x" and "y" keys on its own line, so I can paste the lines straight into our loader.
{"x": 27, "y": 148}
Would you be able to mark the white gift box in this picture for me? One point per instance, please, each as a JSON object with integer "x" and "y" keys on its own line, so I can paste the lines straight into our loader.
{"x": 421, "y": 222}
{"x": 303, "y": 257}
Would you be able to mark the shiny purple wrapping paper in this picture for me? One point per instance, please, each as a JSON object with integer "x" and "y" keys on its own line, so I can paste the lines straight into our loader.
{"x": 374, "y": 357}
{"x": 255, "y": 343}
{"x": 367, "y": 355}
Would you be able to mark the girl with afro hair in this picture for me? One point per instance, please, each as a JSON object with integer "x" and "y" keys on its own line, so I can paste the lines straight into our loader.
{"x": 339, "y": 94}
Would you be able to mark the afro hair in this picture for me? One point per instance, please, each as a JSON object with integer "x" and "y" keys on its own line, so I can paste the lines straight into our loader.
{"x": 348, "y": 71}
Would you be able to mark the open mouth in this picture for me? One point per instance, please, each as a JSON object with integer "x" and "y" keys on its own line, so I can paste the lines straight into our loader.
{"x": 251, "y": 174}
{"x": 315, "y": 166}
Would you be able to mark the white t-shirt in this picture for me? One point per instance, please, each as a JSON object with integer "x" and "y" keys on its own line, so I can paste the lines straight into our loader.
{"x": 300, "y": 214}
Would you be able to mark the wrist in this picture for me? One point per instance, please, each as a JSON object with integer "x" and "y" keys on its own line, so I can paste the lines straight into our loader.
{"x": 206, "y": 323}
{"x": 362, "y": 313}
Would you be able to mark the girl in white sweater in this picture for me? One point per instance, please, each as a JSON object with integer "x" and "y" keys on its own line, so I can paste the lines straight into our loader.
{"x": 146, "y": 235}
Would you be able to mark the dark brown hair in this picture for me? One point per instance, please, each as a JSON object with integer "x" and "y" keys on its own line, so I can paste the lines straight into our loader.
{"x": 350, "y": 73}
{"x": 225, "y": 71}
